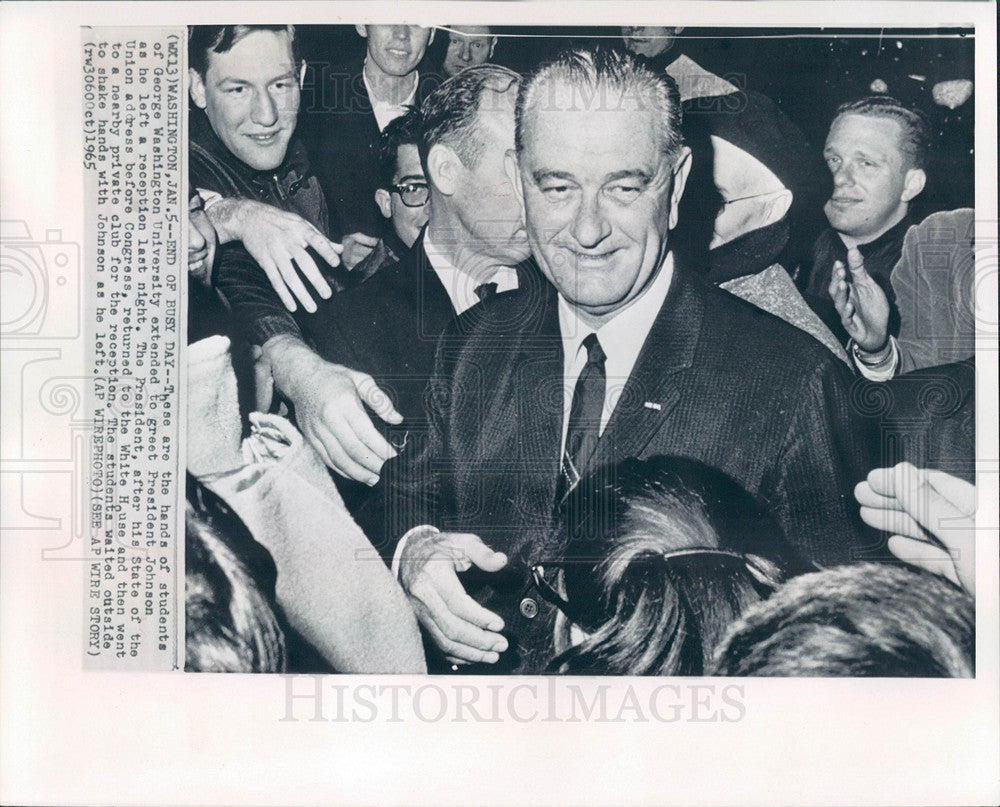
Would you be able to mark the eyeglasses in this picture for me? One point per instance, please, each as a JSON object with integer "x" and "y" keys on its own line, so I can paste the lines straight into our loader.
{"x": 413, "y": 194}
{"x": 586, "y": 607}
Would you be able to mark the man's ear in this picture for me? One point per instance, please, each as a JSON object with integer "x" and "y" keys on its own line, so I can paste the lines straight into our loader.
{"x": 913, "y": 184}
{"x": 384, "y": 201}
{"x": 433, "y": 31}
{"x": 681, "y": 170}
{"x": 302, "y": 74}
{"x": 513, "y": 172}
{"x": 444, "y": 169}
{"x": 197, "y": 89}
{"x": 493, "y": 44}
{"x": 362, "y": 30}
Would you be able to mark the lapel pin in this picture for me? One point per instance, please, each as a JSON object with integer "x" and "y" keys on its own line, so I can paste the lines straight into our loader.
{"x": 652, "y": 405}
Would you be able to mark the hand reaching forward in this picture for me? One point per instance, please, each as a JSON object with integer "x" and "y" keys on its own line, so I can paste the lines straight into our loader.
{"x": 911, "y": 502}
{"x": 278, "y": 240}
{"x": 428, "y": 571}
{"x": 861, "y": 303}
{"x": 329, "y": 402}
{"x": 357, "y": 247}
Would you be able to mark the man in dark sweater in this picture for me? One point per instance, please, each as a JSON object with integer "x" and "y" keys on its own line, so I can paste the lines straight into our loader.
{"x": 254, "y": 176}
{"x": 876, "y": 152}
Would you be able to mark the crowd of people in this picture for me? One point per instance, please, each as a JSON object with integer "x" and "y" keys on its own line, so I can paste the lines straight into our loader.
{"x": 553, "y": 369}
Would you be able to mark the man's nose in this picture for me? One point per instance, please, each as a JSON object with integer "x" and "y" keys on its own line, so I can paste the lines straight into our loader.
{"x": 465, "y": 54}
{"x": 843, "y": 176}
{"x": 401, "y": 32}
{"x": 265, "y": 110}
{"x": 196, "y": 241}
{"x": 590, "y": 227}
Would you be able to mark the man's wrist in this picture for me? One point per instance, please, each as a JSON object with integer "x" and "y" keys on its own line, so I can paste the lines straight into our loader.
{"x": 226, "y": 217}
{"x": 422, "y": 529}
{"x": 291, "y": 359}
{"x": 874, "y": 359}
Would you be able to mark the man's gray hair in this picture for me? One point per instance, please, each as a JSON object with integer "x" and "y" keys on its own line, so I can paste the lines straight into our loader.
{"x": 599, "y": 75}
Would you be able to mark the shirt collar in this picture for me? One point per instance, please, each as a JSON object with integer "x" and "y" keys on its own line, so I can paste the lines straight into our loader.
{"x": 623, "y": 336}
{"x": 461, "y": 286}
{"x": 893, "y": 235}
{"x": 386, "y": 111}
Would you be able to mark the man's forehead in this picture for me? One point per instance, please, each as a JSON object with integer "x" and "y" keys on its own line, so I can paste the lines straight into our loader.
{"x": 874, "y": 131}
{"x": 470, "y": 31}
{"x": 259, "y": 52}
{"x": 408, "y": 162}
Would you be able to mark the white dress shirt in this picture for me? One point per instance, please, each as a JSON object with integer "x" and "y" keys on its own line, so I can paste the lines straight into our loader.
{"x": 386, "y": 112}
{"x": 461, "y": 286}
{"x": 621, "y": 338}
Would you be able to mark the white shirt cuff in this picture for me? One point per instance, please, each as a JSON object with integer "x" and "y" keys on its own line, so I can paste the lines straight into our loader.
{"x": 422, "y": 528}
{"x": 881, "y": 373}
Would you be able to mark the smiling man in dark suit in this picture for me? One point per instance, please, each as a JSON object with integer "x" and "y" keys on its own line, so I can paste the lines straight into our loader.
{"x": 628, "y": 355}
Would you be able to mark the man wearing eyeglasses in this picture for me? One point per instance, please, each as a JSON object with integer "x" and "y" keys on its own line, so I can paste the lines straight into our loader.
{"x": 373, "y": 345}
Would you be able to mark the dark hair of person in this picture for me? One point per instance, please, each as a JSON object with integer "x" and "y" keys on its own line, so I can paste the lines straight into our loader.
{"x": 450, "y": 115}
{"x": 401, "y": 131}
{"x": 865, "y": 619}
{"x": 203, "y": 39}
{"x": 915, "y": 139}
{"x": 231, "y": 622}
{"x": 603, "y": 76}
{"x": 661, "y": 556}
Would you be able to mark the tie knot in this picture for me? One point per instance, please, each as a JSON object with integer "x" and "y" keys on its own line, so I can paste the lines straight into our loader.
{"x": 595, "y": 353}
{"x": 485, "y": 290}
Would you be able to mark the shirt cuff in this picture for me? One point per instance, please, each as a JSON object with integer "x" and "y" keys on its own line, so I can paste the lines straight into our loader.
{"x": 882, "y": 371}
{"x": 421, "y": 529}
{"x": 208, "y": 198}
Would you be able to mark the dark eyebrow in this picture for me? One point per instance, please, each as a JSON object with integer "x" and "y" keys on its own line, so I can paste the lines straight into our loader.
{"x": 630, "y": 173}
{"x": 545, "y": 173}
{"x": 244, "y": 83}
{"x": 410, "y": 178}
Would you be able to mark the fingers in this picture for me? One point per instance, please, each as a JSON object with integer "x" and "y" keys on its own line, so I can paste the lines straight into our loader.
{"x": 926, "y": 556}
{"x": 274, "y": 275}
{"x": 364, "y": 240}
{"x": 327, "y": 249}
{"x": 478, "y": 553}
{"x": 959, "y": 493}
{"x": 856, "y": 262}
{"x": 308, "y": 267}
{"x": 290, "y": 277}
{"x": 456, "y": 637}
{"x": 840, "y": 292}
{"x": 895, "y": 521}
{"x": 868, "y": 496}
{"x": 373, "y": 395}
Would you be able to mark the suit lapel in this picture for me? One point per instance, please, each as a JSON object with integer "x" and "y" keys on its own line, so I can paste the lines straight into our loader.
{"x": 651, "y": 391}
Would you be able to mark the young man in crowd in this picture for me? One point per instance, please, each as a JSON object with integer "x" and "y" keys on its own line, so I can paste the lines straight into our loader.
{"x": 352, "y": 103}
{"x": 468, "y": 45}
{"x": 876, "y": 151}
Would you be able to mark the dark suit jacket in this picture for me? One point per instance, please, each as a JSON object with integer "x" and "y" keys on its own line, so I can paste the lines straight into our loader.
{"x": 388, "y": 326}
{"x": 341, "y": 134}
{"x": 729, "y": 385}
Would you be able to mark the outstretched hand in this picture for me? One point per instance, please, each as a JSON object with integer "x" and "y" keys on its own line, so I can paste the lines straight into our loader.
{"x": 278, "y": 241}
{"x": 860, "y": 302}
{"x": 428, "y": 572}
{"x": 329, "y": 402}
{"x": 910, "y": 503}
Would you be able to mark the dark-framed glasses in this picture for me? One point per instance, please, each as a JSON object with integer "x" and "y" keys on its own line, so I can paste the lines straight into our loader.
{"x": 412, "y": 194}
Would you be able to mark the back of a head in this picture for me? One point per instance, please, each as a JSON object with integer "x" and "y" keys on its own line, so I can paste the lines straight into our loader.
{"x": 231, "y": 624}
{"x": 859, "y": 620}
{"x": 663, "y": 557}
{"x": 449, "y": 115}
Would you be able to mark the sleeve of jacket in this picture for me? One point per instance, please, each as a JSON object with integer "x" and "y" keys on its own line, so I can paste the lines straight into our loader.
{"x": 257, "y": 310}
{"x": 413, "y": 486}
{"x": 826, "y": 451}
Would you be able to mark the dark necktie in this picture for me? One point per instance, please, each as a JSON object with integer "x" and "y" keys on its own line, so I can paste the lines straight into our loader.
{"x": 484, "y": 291}
{"x": 584, "y": 426}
